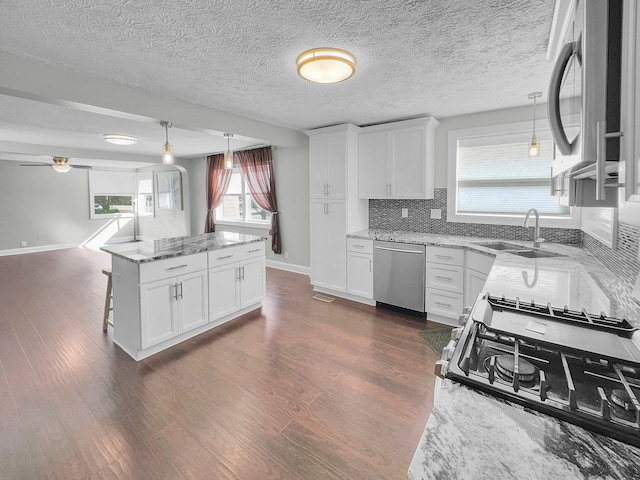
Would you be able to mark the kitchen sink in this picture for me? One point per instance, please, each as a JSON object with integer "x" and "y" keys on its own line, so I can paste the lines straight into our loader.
{"x": 531, "y": 253}
{"x": 501, "y": 246}
{"x": 519, "y": 250}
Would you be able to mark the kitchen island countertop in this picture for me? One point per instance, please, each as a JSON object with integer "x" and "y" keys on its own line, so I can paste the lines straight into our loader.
{"x": 151, "y": 250}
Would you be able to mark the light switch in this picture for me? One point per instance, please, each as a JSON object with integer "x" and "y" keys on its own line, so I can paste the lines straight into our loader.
{"x": 436, "y": 213}
{"x": 405, "y": 212}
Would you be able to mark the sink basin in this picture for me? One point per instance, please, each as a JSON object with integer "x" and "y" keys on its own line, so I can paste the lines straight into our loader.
{"x": 530, "y": 253}
{"x": 501, "y": 246}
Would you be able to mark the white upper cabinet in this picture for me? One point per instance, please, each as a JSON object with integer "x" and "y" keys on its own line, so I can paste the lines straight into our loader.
{"x": 396, "y": 160}
{"x": 327, "y": 165}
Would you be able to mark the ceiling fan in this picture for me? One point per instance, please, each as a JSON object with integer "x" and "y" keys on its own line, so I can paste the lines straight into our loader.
{"x": 60, "y": 165}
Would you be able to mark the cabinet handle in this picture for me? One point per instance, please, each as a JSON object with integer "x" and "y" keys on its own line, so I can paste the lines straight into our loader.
{"x": 238, "y": 274}
{"x": 226, "y": 256}
{"x": 443, "y": 278}
{"x": 180, "y": 290}
{"x": 174, "y": 295}
{"x": 254, "y": 251}
{"x": 440, "y": 304}
{"x": 370, "y": 265}
{"x": 328, "y": 189}
{"x": 175, "y": 268}
{"x": 242, "y": 273}
{"x": 445, "y": 257}
{"x": 357, "y": 246}
{"x": 328, "y": 211}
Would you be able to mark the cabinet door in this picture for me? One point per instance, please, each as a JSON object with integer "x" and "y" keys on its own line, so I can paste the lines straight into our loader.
{"x": 318, "y": 154}
{"x": 360, "y": 274}
{"x": 373, "y": 159}
{"x": 224, "y": 291}
{"x": 337, "y": 164}
{"x": 252, "y": 284}
{"x": 328, "y": 244}
{"x": 408, "y": 147}
{"x": 474, "y": 284}
{"x": 158, "y": 312}
{"x": 193, "y": 302}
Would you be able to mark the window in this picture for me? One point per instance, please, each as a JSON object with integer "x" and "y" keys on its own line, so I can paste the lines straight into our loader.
{"x": 112, "y": 194}
{"x": 492, "y": 179}
{"x": 145, "y": 193}
{"x": 238, "y": 206}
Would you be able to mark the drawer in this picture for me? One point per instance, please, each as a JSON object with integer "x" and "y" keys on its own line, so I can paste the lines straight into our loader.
{"x": 446, "y": 304}
{"x": 359, "y": 245}
{"x": 479, "y": 262}
{"x": 172, "y": 267}
{"x": 447, "y": 256}
{"x": 445, "y": 277}
{"x": 224, "y": 256}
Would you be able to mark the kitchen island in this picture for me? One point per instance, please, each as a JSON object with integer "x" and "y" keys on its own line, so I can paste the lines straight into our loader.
{"x": 473, "y": 435}
{"x": 169, "y": 290}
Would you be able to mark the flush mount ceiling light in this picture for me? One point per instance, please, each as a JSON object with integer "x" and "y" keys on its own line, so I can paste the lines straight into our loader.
{"x": 120, "y": 138}
{"x": 534, "y": 147}
{"x": 326, "y": 65}
{"x": 228, "y": 155}
{"x": 167, "y": 156}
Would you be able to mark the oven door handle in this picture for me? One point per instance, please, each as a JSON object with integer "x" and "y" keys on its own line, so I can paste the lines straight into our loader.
{"x": 553, "y": 98}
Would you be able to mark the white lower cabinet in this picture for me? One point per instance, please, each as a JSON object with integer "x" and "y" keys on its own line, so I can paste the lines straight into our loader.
{"x": 172, "y": 306}
{"x": 445, "y": 283}
{"x": 237, "y": 285}
{"x": 360, "y": 267}
{"x": 477, "y": 270}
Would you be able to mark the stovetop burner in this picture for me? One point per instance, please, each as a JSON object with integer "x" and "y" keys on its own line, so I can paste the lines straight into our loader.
{"x": 585, "y": 371}
{"x": 506, "y": 366}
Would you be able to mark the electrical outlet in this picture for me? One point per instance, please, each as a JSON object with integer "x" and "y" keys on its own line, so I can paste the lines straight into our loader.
{"x": 405, "y": 212}
{"x": 436, "y": 213}
{"x": 23, "y": 244}
{"x": 286, "y": 254}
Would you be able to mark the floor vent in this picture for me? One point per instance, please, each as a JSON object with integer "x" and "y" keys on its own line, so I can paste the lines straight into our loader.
{"x": 323, "y": 298}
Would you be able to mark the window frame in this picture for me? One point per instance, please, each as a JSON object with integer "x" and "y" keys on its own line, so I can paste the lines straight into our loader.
{"x": 524, "y": 128}
{"x": 266, "y": 225}
{"x": 95, "y": 192}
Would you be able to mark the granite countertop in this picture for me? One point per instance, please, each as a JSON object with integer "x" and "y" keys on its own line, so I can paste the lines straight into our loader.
{"x": 151, "y": 250}
{"x": 575, "y": 279}
{"x": 471, "y": 435}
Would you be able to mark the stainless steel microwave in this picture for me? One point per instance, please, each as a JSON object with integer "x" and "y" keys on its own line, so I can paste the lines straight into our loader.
{"x": 584, "y": 92}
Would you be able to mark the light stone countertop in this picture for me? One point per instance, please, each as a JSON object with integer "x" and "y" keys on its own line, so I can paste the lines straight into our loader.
{"x": 151, "y": 250}
{"x": 471, "y": 435}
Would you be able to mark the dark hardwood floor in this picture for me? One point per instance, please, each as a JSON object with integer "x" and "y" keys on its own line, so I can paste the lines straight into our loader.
{"x": 299, "y": 390}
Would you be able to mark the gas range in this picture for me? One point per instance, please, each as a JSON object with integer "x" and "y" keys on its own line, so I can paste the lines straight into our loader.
{"x": 581, "y": 367}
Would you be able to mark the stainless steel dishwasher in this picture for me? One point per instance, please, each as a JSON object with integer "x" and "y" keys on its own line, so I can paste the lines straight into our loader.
{"x": 398, "y": 274}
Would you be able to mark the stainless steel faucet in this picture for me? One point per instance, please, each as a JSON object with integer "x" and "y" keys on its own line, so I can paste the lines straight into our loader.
{"x": 537, "y": 240}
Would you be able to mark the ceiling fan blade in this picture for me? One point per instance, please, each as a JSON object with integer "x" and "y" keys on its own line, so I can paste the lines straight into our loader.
{"x": 85, "y": 167}
{"x": 35, "y": 164}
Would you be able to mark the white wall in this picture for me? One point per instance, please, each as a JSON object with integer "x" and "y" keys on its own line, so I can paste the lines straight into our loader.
{"x": 45, "y": 208}
{"x": 291, "y": 169}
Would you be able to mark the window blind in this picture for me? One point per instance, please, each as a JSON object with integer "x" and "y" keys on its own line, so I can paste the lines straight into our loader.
{"x": 495, "y": 175}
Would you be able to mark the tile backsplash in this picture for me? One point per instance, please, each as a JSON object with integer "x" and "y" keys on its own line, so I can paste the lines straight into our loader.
{"x": 386, "y": 214}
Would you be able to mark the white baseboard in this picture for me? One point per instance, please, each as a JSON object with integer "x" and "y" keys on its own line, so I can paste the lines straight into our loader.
{"x": 43, "y": 248}
{"x": 289, "y": 267}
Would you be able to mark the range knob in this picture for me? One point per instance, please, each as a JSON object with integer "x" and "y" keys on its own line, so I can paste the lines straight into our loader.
{"x": 462, "y": 319}
{"x": 447, "y": 352}
{"x": 456, "y": 333}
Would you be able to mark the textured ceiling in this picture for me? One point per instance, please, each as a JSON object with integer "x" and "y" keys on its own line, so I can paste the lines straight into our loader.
{"x": 437, "y": 57}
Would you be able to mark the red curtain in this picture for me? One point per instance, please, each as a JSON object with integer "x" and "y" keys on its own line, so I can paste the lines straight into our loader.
{"x": 217, "y": 182}
{"x": 257, "y": 168}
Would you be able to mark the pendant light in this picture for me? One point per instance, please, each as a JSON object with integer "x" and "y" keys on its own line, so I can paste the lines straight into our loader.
{"x": 228, "y": 155}
{"x": 534, "y": 147}
{"x": 167, "y": 156}
{"x": 326, "y": 65}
